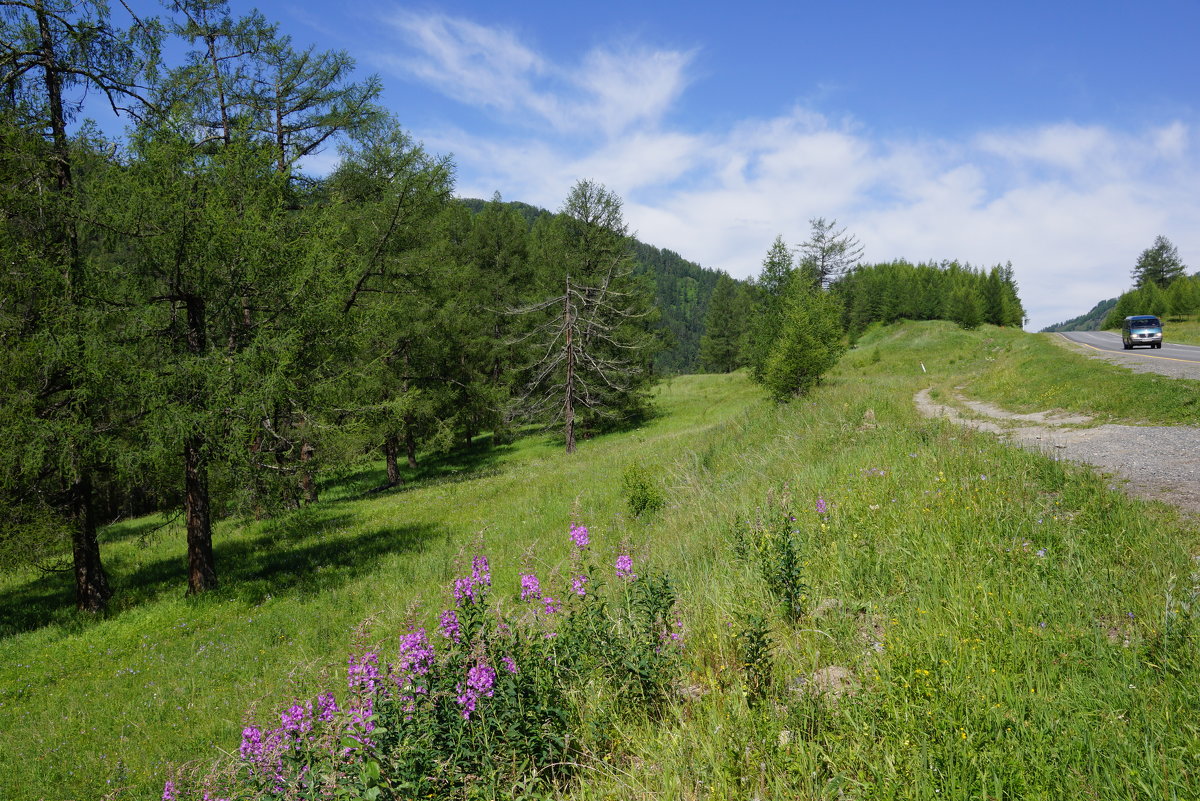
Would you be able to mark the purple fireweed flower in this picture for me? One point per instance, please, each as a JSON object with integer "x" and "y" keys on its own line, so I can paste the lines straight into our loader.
{"x": 363, "y": 674}
{"x": 416, "y": 653}
{"x": 625, "y": 567}
{"x": 252, "y": 744}
{"x": 509, "y": 664}
{"x": 449, "y": 625}
{"x": 298, "y": 718}
{"x": 822, "y": 507}
{"x": 326, "y": 707}
{"x": 480, "y": 680}
{"x": 168, "y": 791}
{"x": 470, "y": 589}
{"x": 579, "y": 535}
{"x": 549, "y": 605}
{"x": 579, "y": 585}
{"x": 530, "y": 588}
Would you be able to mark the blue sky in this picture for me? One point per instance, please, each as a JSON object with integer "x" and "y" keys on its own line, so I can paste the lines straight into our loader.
{"x": 1060, "y": 136}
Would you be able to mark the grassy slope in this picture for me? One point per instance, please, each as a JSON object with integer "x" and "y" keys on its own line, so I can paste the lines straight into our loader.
{"x": 1002, "y": 671}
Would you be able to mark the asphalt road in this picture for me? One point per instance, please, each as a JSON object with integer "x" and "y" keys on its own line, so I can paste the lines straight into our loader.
{"x": 1181, "y": 361}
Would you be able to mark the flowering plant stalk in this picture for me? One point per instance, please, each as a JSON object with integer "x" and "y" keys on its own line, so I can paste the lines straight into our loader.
{"x": 488, "y": 700}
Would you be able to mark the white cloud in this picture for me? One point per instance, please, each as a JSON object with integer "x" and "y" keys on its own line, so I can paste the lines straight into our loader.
{"x": 610, "y": 90}
{"x": 1070, "y": 206}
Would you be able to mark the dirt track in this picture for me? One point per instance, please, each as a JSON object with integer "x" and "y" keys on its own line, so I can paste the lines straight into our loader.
{"x": 1157, "y": 462}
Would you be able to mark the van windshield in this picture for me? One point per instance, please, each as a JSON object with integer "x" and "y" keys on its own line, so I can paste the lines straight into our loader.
{"x": 1145, "y": 322}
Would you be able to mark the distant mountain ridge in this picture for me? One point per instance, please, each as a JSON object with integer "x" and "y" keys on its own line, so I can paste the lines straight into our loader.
{"x": 682, "y": 290}
{"x": 1086, "y": 322}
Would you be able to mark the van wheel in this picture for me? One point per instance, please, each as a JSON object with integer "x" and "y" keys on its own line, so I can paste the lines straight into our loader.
{"x": 1127, "y": 347}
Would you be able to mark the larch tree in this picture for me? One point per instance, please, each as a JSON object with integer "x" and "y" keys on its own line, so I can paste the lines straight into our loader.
{"x": 60, "y": 405}
{"x": 829, "y": 252}
{"x": 590, "y": 336}
{"x": 1158, "y": 264}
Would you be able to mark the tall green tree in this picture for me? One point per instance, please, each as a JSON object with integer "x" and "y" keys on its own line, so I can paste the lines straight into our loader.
{"x": 828, "y": 252}
{"x": 1158, "y": 264}
{"x": 724, "y": 327}
{"x": 60, "y": 404}
{"x": 965, "y": 305}
{"x": 778, "y": 270}
{"x": 397, "y": 260}
{"x": 590, "y": 338}
{"x": 809, "y": 341}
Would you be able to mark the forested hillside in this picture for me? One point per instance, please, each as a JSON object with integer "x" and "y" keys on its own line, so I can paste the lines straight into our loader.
{"x": 682, "y": 290}
{"x": 1091, "y": 321}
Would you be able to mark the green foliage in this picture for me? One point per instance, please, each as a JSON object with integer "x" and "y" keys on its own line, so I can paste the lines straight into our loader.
{"x": 754, "y": 652}
{"x": 503, "y": 698}
{"x": 965, "y": 307}
{"x": 808, "y": 342}
{"x": 730, "y": 312}
{"x": 643, "y": 493}
{"x": 901, "y": 291}
{"x": 1158, "y": 264}
{"x": 771, "y": 543}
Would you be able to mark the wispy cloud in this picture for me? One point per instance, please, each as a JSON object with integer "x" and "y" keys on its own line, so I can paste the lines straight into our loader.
{"x": 610, "y": 90}
{"x": 1070, "y": 205}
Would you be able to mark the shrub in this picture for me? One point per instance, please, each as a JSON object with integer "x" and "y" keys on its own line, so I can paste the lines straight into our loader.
{"x": 641, "y": 491}
{"x": 490, "y": 700}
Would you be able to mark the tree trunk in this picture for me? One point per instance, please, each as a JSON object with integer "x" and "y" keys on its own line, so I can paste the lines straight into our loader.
{"x": 410, "y": 446}
{"x": 202, "y": 572}
{"x": 307, "y": 483}
{"x": 390, "y": 448}
{"x": 569, "y": 390}
{"x": 92, "y": 590}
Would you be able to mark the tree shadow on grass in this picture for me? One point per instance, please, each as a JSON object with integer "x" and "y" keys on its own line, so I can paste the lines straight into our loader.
{"x": 306, "y": 552}
{"x": 480, "y": 460}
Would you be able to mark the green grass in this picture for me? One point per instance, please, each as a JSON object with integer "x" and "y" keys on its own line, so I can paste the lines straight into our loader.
{"x": 983, "y": 668}
{"x": 1031, "y": 372}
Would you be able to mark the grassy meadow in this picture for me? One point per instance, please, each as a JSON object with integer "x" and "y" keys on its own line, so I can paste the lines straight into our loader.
{"x": 991, "y": 623}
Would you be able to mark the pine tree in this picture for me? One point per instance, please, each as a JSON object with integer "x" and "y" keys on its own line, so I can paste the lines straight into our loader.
{"x": 1158, "y": 264}
{"x": 808, "y": 343}
{"x": 964, "y": 305}
{"x": 724, "y": 328}
{"x": 591, "y": 336}
{"x": 772, "y": 285}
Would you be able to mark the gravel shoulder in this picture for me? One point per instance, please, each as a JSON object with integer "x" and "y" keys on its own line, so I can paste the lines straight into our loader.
{"x": 1157, "y": 462}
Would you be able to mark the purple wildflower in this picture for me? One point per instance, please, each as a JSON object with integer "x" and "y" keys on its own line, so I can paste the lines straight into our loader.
{"x": 625, "y": 567}
{"x": 822, "y": 507}
{"x": 549, "y": 605}
{"x": 1042, "y": 553}
{"x": 416, "y": 654}
{"x": 168, "y": 791}
{"x": 449, "y": 625}
{"x": 480, "y": 680}
{"x": 579, "y": 535}
{"x": 251, "y": 749}
{"x": 509, "y": 664}
{"x": 530, "y": 588}
{"x": 470, "y": 588}
{"x": 326, "y": 707}
{"x": 298, "y": 718}
{"x": 579, "y": 585}
{"x": 363, "y": 673}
